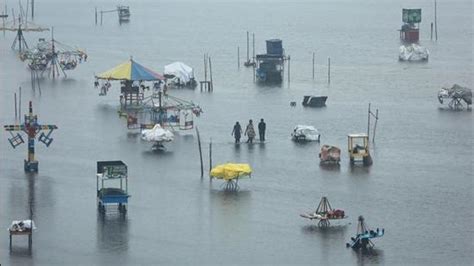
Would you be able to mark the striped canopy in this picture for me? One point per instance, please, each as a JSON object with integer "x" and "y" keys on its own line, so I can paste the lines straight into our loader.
{"x": 130, "y": 70}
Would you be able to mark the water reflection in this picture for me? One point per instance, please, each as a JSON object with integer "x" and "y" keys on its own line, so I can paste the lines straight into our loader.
{"x": 369, "y": 256}
{"x": 330, "y": 167}
{"x": 112, "y": 232}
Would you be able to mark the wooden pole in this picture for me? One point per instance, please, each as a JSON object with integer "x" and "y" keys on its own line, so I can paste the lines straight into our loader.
{"x": 431, "y": 36}
{"x": 289, "y": 69}
{"x": 96, "y": 16}
{"x": 375, "y": 125}
{"x": 368, "y": 121}
{"x": 205, "y": 68}
{"x": 19, "y": 104}
{"x": 200, "y": 152}
{"x": 329, "y": 70}
{"x": 253, "y": 49}
{"x": 101, "y": 16}
{"x": 313, "y": 65}
{"x": 238, "y": 57}
{"x": 436, "y": 20}
{"x": 248, "y": 50}
{"x": 16, "y": 108}
{"x": 210, "y": 155}
{"x": 32, "y": 9}
{"x": 210, "y": 75}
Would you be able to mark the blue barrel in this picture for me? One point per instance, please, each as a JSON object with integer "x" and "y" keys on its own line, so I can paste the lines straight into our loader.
{"x": 274, "y": 47}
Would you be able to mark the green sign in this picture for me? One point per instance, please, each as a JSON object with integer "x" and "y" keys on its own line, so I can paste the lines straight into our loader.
{"x": 411, "y": 15}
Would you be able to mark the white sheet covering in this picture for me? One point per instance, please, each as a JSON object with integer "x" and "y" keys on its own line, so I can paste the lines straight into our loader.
{"x": 157, "y": 133}
{"x": 307, "y": 133}
{"x": 413, "y": 52}
{"x": 181, "y": 71}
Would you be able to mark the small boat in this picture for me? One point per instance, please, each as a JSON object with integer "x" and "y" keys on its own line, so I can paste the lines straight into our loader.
{"x": 314, "y": 101}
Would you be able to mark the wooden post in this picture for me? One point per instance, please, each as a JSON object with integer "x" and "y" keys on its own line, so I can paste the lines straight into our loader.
{"x": 436, "y": 20}
{"x": 375, "y": 125}
{"x": 210, "y": 76}
{"x": 288, "y": 69}
{"x": 16, "y": 108}
{"x": 329, "y": 70}
{"x": 32, "y": 9}
{"x": 210, "y": 155}
{"x": 238, "y": 57}
{"x": 205, "y": 68}
{"x": 253, "y": 49}
{"x": 96, "y": 16}
{"x": 101, "y": 17}
{"x": 313, "y": 65}
{"x": 19, "y": 104}
{"x": 200, "y": 152}
{"x": 248, "y": 59}
{"x": 431, "y": 35}
{"x": 368, "y": 121}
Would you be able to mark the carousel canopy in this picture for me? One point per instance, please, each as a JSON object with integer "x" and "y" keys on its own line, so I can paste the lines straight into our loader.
{"x": 231, "y": 171}
{"x": 130, "y": 70}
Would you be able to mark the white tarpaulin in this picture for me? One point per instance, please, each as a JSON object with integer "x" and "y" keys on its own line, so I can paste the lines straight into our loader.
{"x": 181, "y": 71}
{"x": 413, "y": 52}
{"x": 157, "y": 133}
{"x": 305, "y": 133}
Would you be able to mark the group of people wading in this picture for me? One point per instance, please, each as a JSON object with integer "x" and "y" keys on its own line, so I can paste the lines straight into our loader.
{"x": 249, "y": 131}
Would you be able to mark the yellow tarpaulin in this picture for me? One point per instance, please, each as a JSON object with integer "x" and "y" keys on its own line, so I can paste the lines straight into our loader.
{"x": 231, "y": 171}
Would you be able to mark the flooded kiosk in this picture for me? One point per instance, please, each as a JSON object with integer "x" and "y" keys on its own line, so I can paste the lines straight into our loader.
{"x": 358, "y": 145}
{"x": 112, "y": 172}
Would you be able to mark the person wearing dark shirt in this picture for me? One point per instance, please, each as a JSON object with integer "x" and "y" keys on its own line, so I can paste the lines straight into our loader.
{"x": 261, "y": 129}
{"x": 237, "y": 132}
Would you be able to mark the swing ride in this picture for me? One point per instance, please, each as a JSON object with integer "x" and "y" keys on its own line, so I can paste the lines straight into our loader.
{"x": 454, "y": 97}
{"x": 364, "y": 235}
{"x": 21, "y": 25}
{"x": 231, "y": 173}
{"x": 324, "y": 213}
{"x": 54, "y": 56}
{"x": 158, "y": 107}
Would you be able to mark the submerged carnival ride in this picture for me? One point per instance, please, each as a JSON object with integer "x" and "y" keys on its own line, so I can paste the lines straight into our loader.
{"x": 146, "y": 107}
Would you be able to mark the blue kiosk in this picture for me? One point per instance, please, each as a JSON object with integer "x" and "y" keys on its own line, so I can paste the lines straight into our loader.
{"x": 109, "y": 172}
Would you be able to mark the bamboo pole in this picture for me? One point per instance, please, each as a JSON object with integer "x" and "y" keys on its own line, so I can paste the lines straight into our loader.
{"x": 313, "y": 65}
{"x": 32, "y": 9}
{"x": 96, "y": 16}
{"x": 200, "y": 152}
{"x": 329, "y": 70}
{"x": 248, "y": 59}
{"x": 210, "y": 155}
{"x": 238, "y": 57}
{"x": 19, "y": 104}
{"x": 16, "y": 108}
{"x": 368, "y": 121}
{"x": 375, "y": 125}
{"x": 436, "y": 20}
{"x": 289, "y": 69}
{"x": 210, "y": 75}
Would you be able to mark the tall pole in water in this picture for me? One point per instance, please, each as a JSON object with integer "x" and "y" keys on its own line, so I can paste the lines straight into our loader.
{"x": 248, "y": 59}
{"x": 32, "y": 9}
{"x": 253, "y": 50}
{"x": 313, "y": 65}
{"x": 329, "y": 70}
{"x": 368, "y": 121}
{"x": 238, "y": 57}
{"x": 436, "y": 22}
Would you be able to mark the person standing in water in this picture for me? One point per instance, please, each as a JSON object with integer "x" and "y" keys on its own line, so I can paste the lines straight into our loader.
{"x": 261, "y": 130}
{"x": 250, "y": 132}
{"x": 237, "y": 132}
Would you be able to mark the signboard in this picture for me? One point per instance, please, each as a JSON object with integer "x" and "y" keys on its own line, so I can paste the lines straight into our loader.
{"x": 411, "y": 15}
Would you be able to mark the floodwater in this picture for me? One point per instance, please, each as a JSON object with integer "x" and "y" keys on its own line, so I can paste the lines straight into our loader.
{"x": 419, "y": 188}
